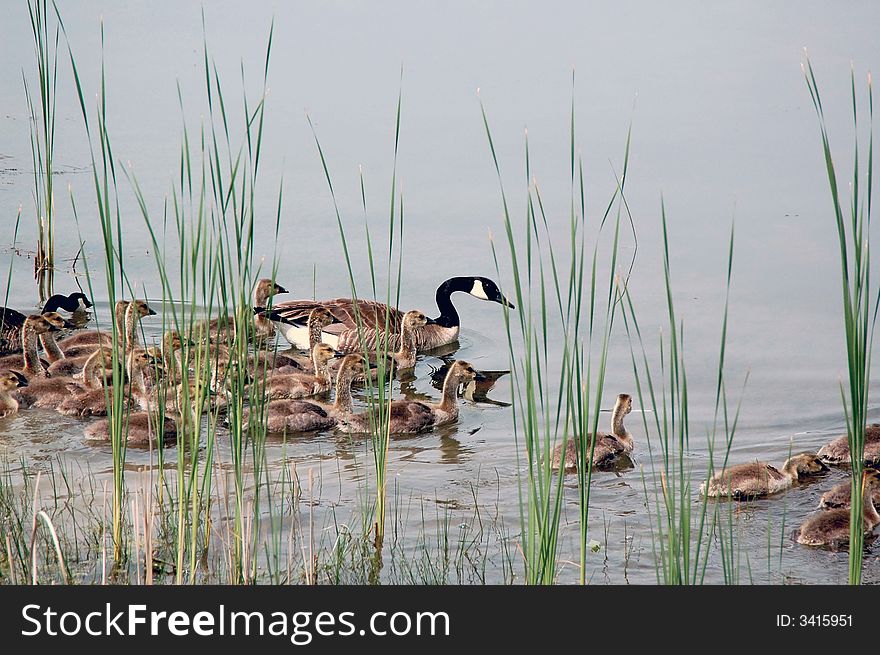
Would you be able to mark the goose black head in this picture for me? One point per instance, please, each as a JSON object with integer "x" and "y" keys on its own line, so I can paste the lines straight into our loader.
{"x": 478, "y": 287}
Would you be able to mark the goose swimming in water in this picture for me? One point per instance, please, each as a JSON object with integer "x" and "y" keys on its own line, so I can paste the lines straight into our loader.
{"x": 830, "y": 527}
{"x": 840, "y": 496}
{"x": 222, "y": 329}
{"x": 405, "y": 416}
{"x": 757, "y": 479}
{"x": 11, "y": 321}
{"x": 609, "y": 447}
{"x": 836, "y": 452}
{"x": 440, "y": 331}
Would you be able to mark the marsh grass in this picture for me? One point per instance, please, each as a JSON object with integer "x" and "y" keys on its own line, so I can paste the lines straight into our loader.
{"x": 683, "y": 521}
{"x": 565, "y": 306}
{"x": 41, "y": 110}
{"x": 860, "y": 300}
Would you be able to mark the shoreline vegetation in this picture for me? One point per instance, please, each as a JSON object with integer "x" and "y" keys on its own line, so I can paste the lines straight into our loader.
{"x": 215, "y": 507}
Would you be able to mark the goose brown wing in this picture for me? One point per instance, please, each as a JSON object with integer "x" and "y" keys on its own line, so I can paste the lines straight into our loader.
{"x": 11, "y": 323}
{"x": 343, "y": 310}
{"x": 414, "y": 415}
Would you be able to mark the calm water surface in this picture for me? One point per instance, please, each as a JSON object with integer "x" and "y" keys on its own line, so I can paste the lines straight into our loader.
{"x": 723, "y": 129}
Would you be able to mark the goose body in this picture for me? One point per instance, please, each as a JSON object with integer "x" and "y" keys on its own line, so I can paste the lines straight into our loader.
{"x": 836, "y": 452}
{"x": 375, "y": 316}
{"x": 608, "y": 448}
{"x": 757, "y": 479}
{"x": 830, "y": 528}
{"x": 405, "y": 416}
{"x": 840, "y": 496}
{"x": 290, "y": 386}
{"x": 144, "y": 428}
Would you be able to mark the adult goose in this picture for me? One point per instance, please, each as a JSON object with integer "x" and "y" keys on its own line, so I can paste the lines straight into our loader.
{"x": 439, "y": 332}
{"x": 11, "y": 321}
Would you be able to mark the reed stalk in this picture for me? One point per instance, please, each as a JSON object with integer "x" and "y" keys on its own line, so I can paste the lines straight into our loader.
{"x": 860, "y": 300}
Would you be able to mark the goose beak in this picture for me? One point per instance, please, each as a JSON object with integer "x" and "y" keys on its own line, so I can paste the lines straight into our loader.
{"x": 22, "y": 380}
{"x": 151, "y": 311}
{"x": 430, "y": 321}
{"x": 70, "y": 325}
{"x": 54, "y": 328}
{"x": 501, "y": 300}
{"x": 338, "y": 354}
{"x": 479, "y": 377}
{"x": 280, "y": 289}
{"x": 335, "y": 320}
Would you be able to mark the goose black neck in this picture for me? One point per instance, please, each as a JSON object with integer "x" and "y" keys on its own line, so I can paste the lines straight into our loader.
{"x": 58, "y": 301}
{"x": 448, "y": 316}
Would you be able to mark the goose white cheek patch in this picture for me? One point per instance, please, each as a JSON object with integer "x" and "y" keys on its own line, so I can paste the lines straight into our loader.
{"x": 478, "y": 291}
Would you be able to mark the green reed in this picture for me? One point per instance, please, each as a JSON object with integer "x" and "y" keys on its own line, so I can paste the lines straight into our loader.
{"x": 41, "y": 109}
{"x": 378, "y": 394}
{"x": 559, "y": 297}
{"x": 681, "y": 524}
{"x": 853, "y": 221}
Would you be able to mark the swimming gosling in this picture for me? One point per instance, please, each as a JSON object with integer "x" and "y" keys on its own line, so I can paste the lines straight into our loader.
{"x": 609, "y": 448}
{"x": 757, "y": 479}
{"x": 831, "y": 527}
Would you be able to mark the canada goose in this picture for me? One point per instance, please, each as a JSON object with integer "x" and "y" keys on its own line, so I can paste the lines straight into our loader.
{"x": 128, "y": 338}
{"x": 756, "y": 479}
{"x": 836, "y": 452}
{"x": 54, "y": 391}
{"x": 9, "y": 381}
{"x": 34, "y": 326}
{"x": 441, "y": 331}
{"x": 405, "y": 416}
{"x": 50, "y": 345}
{"x": 141, "y": 427}
{"x": 88, "y": 395}
{"x": 831, "y": 527}
{"x": 93, "y": 338}
{"x": 840, "y": 495}
{"x": 302, "y": 385}
{"x": 222, "y": 329}
{"x": 11, "y": 321}
{"x": 609, "y": 447}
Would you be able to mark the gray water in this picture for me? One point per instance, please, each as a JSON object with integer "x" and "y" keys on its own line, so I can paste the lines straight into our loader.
{"x": 723, "y": 130}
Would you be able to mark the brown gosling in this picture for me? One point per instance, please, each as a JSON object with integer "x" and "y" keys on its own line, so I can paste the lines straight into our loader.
{"x": 405, "y": 416}
{"x": 9, "y": 381}
{"x": 757, "y": 479}
{"x": 831, "y": 527}
{"x": 836, "y": 452}
{"x": 34, "y": 326}
{"x": 222, "y": 329}
{"x": 289, "y": 362}
{"x": 609, "y": 447}
{"x": 89, "y": 397}
{"x": 141, "y": 428}
{"x": 291, "y": 386}
{"x": 50, "y": 345}
{"x": 76, "y": 344}
{"x": 840, "y": 496}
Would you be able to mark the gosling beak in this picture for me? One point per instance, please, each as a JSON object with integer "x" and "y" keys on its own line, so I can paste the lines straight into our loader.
{"x": 22, "y": 380}
{"x": 151, "y": 311}
{"x": 338, "y": 354}
{"x": 479, "y": 377}
{"x": 335, "y": 320}
{"x": 70, "y": 325}
{"x": 501, "y": 300}
{"x": 430, "y": 321}
{"x": 54, "y": 328}
{"x": 280, "y": 289}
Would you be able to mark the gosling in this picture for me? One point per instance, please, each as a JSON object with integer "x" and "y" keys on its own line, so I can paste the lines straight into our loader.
{"x": 9, "y": 381}
{"x": 836, "y": 452}
{"x": 831, "y": 527}
{"x": 608, "y": 448}
{"x": 758, "y": 479}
